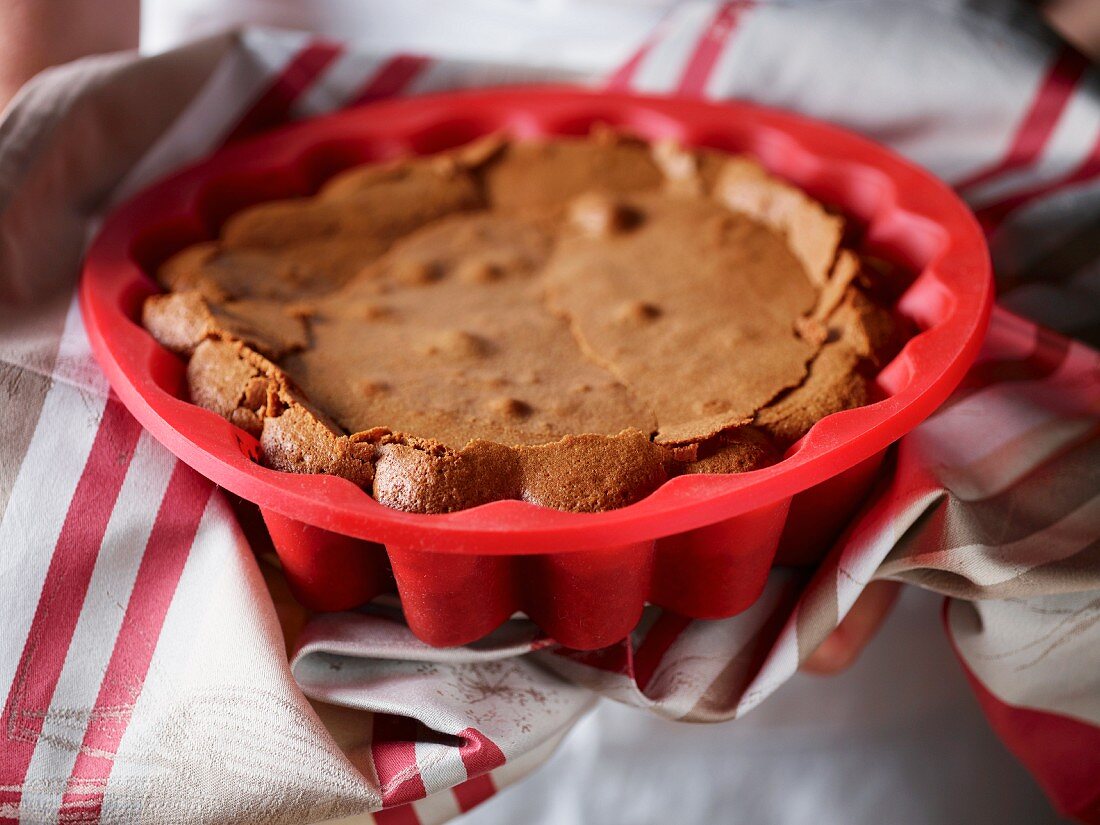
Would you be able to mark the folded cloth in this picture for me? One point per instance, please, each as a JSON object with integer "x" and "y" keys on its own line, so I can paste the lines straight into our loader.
{"x": 143, "y": 665}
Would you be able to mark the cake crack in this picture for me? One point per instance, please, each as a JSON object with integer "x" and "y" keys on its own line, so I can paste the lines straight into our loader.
{"x": 565, "y": 323}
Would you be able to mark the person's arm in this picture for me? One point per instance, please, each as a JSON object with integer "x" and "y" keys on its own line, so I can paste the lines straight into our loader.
{"x": 1078, "y": 21}
{"x": 36, "y": 34}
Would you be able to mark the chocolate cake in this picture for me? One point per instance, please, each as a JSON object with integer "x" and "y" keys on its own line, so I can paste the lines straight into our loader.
{"x": 570, "y": 322}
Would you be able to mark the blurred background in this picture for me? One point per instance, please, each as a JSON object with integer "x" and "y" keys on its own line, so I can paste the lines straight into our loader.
{"x": 597, "y": 34}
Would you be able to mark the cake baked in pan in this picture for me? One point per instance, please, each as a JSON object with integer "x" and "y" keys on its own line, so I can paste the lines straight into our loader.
{"x": 565, "y": 321}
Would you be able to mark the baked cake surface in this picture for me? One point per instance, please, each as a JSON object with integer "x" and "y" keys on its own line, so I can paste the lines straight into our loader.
{"x": 569, "y": 322}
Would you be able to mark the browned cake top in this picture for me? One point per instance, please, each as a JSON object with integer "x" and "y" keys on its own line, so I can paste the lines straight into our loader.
{"x": 569, "y": 321}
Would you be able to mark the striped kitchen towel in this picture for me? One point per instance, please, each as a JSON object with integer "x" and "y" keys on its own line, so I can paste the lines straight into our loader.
{"x": 142, "y": 664}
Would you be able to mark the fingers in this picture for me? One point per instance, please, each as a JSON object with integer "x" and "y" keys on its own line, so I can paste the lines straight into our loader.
{"x": 292, "y": 616}
{"x": 32, "y": 36}
{"x": 842, "y": 647}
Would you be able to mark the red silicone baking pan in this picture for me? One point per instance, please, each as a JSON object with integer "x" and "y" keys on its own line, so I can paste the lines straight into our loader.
{"x": 700, "y": 545}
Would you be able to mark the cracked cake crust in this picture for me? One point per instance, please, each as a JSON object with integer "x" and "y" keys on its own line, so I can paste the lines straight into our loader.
{"x": 569, "y": 322}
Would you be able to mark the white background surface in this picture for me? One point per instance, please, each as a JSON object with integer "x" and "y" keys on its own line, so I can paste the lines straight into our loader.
{"x": 898, "y": 739}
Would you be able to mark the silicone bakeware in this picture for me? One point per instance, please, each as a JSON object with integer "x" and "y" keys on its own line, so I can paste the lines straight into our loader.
{"x": 700, "y": 545}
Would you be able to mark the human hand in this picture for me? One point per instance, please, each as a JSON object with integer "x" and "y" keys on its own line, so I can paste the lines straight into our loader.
{"x": 35, "y": 35}
{"x": 842, "y": 647}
